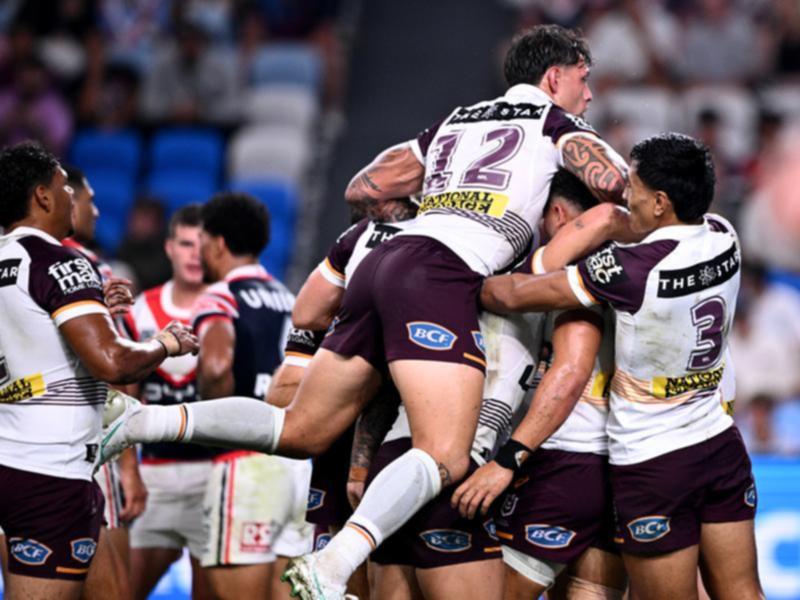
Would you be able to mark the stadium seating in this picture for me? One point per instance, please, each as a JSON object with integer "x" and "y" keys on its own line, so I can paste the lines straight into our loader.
{"x": 280, "y": 198}
{"x": 113, "y": 151}
{"x": 289, "y": 105}
{"x": 268, "y": 152}
{"x": 178, "y": 188}
{"x": 736, "y": 109}
{"x": 287, "y": 63}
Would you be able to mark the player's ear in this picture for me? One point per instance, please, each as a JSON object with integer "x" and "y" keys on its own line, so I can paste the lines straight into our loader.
{"x": 551, "y": 78}
{"x": 43, "y": 197}
{"x": 661, "y": 204}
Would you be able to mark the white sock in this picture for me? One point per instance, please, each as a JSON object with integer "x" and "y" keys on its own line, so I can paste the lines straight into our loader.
{"x": 396, "y": 494}
{"x": 236, "y": 422}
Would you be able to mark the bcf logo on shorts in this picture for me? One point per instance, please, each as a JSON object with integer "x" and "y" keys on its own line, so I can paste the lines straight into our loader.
{"x": 322, "y": 540}
{"x": 316, "y": 498}
{"x": 430, "y": 335}
{"x": 750, "y": 496}
{"x": 548, "y": 536}
{"x": 83, "y": 549}
{"x": 447, "y": 540}
{"x": 29, "y": 552}
{"x": 650, "y": 528}
{"x": 255, "y": 537}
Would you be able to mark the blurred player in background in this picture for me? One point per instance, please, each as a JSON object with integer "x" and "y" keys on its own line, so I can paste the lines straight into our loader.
{"x": 58, "y": 347}
{"x": 120, "y": 481}
{"x": 255, "y": 504}
{"x": 176, "y": 475}
{"x": 682, "y": 482}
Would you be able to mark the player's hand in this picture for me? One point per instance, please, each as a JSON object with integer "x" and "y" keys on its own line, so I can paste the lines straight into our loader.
{"x": 118, "y": 296}
{"x": 481, "y": 489}
{"x": 355, "y": 491}
{"x": 133, "y": 489}
{"x": 178, "y": 339}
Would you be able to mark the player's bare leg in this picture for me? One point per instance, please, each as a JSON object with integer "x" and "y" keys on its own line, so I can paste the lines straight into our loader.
{"x": 108, "y": 575}
{"x": 147, "y": 567}
{"x": 241, "y": 581}
{"x": 393, "y": 582}
{"x": 4, "y": 557}
{"x": 278, "y": 589}
{"x": 482, "y": 579}
{"x": 665, "y": 576}
{"x": 358, "y": 585}
{"x": 519, "y": 587}
{"x": 595, "y": 575}
{"x": 22, "y": 587}
{"x": 728, "y": 575}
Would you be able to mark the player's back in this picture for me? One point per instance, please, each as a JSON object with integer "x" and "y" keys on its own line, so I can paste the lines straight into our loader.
{"x": 487, "y": 174}
{"x": 674, "y": 295}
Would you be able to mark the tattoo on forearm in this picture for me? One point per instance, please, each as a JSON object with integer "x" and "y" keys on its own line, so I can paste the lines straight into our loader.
{"x": 444, "y": 475}
{"x": 367, "y": 180}
{"x": 588, "y": 160}
{"x": 372, "y": 426}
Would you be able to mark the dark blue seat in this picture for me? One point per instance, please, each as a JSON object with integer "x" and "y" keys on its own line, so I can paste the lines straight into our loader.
{"x": 178, "y": 188}
{"x": 108, "y": 150}
{"x": 282, "y": 63}
{"x": 187, "y": 149}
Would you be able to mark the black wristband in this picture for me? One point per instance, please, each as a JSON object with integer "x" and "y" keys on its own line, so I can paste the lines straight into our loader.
{"x": 164, "y": 346}
{"x": 510, "y": 455}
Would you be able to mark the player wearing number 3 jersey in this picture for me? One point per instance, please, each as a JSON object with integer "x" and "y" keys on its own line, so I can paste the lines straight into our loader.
{"x": 681, "y": 478}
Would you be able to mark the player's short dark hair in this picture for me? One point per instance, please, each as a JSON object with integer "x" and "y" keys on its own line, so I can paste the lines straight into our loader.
{"x": 23, "y": 167}
{"x": 187, "y": 216}
{"x": 75, "y": 177}
{"x": 567, "y": 186}
{"x": 681, "y": 167}
{"x": 241, "y": 219}
{"x": 534, "y": 51}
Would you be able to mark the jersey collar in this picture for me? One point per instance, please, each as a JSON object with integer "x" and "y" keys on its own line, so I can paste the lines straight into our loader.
{"x": 254, "y": 270}
{"x": 675, "y": 232}
{"x": 24, "y": 230}
{"x": 528, "y": 92}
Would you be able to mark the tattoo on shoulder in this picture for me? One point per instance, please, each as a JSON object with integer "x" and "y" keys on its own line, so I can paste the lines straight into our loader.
{"x": 588, "y": 160}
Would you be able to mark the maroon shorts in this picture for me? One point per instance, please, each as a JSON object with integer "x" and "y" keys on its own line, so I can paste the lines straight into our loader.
{"x": 661, "y": 503}
{"x": 51, "y": 523}
{"x": 327, "y": 496}
{"x": 410, "y": 298}
{"x": 437, "y": 536}
{"x": 558, "y": 506}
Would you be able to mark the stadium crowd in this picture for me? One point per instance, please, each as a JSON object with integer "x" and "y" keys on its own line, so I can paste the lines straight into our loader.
{"x": 221, "y": 76}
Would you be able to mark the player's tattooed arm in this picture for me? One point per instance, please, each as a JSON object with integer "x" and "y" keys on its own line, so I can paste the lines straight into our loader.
{"x": 596, "y": 164}
{"x": 517, "y": 293}
{"x": 394, "y": 173}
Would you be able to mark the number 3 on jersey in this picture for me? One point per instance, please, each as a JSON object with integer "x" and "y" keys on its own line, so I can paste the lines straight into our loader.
{"x": 708, "y": 317}
{"x": 482, "y": 172}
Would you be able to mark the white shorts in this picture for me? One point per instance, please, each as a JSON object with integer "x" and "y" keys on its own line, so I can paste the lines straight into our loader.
{"x": 107, "y": 477}
{"x": 173, "y": 517}
{"x": 255, "y": 507}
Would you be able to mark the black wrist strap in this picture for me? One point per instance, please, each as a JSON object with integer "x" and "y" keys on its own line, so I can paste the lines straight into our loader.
{"x": 510, "y": 455}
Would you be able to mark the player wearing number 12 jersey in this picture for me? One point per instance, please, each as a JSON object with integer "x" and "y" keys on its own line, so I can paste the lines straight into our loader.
{"x": 681, "y": 477}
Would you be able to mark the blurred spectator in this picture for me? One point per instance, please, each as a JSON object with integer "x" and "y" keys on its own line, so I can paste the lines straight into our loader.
{"x": 15, "y": 48}
{"x": 191, "y": 81}
{"x": 756, "y": 425}
{"x": 787, "y": 50}
{"x": 216, "y": 17}
{"x": 34, "y": 109}
{"x": 113, "y": 102}
{"x": 143, "y": 246}
{"x": 720, "y": 44}
{"x": 765, "y": 342}
{"x": 730, "y": 183}
{"x": 131, "y": 29}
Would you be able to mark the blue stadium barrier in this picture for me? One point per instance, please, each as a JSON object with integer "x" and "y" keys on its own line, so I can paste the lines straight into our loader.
{"x": 297, "y": 64}
{"x": 187, "y": 150}
{"x": 119, "y": 151}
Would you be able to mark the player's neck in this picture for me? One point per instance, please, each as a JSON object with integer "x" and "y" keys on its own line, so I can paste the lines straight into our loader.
{"x": 231, "y": 262}
{"x": 34, "y": 222}
{"x": 184, "y": 294}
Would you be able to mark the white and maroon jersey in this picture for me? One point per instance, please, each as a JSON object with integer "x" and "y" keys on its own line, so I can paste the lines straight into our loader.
{"x": 50, "y": 406}
{"x": 674, "y": 295}
{"x": 173, "y": 382}
{"x": 488, "y": 169}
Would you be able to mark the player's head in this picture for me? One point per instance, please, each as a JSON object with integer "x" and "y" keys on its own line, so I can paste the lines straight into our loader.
{"x": 235, "y": 225}
{"x": 568, "y": 198}
{"x": 35, "y": 190}
{"x": 671, "y": 178}
{"x": 84, "y": 210}
{"x": 555, "y": 59}
{"x": 183, "y": 245}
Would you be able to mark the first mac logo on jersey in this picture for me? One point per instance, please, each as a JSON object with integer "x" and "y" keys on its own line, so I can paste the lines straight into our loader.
{"x": 74, "y": 275}
{"x": 430, "y": 335}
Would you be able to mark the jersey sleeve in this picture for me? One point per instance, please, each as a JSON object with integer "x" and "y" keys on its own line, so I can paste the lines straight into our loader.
{"x": 617, "y": 274}
{"x": 63, "y": 282}
{"x": 421, "y": 143}
{"x": 559, "y": 125}
{"x": 301, "y": 346}
{"x": 333, "y": 266}
{"x": 217, "y": 302}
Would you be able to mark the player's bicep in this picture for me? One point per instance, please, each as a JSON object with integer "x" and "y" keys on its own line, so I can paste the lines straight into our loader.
{"x": 93, "y": 338}
{"x": 528, "y": 293}
{"x": 576, "y": 340}
{"x": 395, "y": 173}
{"x": 318, "y": 300}
{"x": 595, "y": 163}
{"x": 217, "y": 340}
